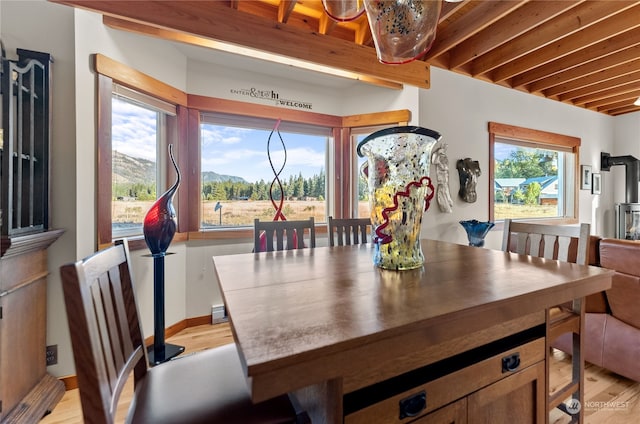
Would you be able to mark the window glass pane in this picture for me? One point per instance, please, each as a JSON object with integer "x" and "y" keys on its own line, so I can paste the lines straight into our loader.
{"x": 532, "y": 182}
{"x": 134, "y": 136}
{"x": 237, "y": 174}
{"x": 363, "y": 210}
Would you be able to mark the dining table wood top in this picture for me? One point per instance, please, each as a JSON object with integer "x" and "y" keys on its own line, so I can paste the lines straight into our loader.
{"x": 311, "y": 312}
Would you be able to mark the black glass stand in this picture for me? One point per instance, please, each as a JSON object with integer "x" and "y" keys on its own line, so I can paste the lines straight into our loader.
{"x": 160, "y": 351}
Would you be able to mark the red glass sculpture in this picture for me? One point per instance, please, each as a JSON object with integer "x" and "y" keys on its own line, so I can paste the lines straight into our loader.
{"x": 160, "y": 221}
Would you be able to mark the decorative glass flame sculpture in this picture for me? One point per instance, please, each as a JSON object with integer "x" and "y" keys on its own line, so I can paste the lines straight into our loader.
{"x": 160, "y": 221}
{"x": 402, "y": 30}
{"x": 159, "y": 228}
{"x": 343, "y": 10}
{"x": 397, "y": 173}
{"x": 476, "y": 231}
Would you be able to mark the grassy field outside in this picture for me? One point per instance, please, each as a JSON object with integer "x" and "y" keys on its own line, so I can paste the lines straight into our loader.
{"x": 242, "y": 212}
{"x": 508, "y": 210}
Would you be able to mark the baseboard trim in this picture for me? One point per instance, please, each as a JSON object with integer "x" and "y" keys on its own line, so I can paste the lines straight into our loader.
{"x": 71, "y": 382}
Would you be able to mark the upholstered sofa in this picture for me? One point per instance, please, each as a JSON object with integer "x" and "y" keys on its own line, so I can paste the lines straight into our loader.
{"x": 613, "y": 317}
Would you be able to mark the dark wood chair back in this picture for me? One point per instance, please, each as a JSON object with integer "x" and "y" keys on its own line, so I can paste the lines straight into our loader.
{"x": 204, "y": 387}
{"x": 283, "y": 235}
{"x": 562, "y": 242}
{"x": 567, "y": 244}
{"x": 348, "y": 231}
{"x": 105, "y": 329}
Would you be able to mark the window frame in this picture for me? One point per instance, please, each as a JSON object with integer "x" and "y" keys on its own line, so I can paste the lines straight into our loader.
{"x": 538, "y": 138}
{"x": 110, "y": 72}
{"x": 187, "y": 148}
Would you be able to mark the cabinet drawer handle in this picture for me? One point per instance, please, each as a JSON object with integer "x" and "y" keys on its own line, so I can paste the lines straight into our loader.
{"x": 511, "y": 363}
{"x": 413, "y": 405}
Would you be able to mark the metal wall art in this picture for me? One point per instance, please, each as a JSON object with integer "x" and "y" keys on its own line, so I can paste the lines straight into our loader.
{"x": 469, "y": 171}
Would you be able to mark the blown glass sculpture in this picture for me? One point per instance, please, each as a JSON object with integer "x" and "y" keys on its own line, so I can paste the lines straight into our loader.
{"x": 402, "y": 30}
{"x": 399, "y": 189}
{"x": 476, "y": 231}
{"x": 160, "y": 221}
{"x": 343, "y": 10}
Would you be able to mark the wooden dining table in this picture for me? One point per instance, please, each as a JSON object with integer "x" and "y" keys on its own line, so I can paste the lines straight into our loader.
{"x": 326, "y": 324}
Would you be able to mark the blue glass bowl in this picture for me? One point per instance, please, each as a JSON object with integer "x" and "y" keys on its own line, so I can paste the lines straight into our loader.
{"x": 476, "y": 231}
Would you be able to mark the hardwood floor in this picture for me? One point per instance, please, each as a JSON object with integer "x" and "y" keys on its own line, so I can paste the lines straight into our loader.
{"x": 609, "y": 398}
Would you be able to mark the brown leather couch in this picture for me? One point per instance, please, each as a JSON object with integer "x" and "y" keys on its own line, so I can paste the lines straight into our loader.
{"x": 612, "y": 321}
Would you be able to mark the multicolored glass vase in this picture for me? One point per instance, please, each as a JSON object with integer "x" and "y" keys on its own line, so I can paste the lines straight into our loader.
{"x": 399, "y": 190}
{"x": 159, "y": 225}
{"x": 402, "y": 30}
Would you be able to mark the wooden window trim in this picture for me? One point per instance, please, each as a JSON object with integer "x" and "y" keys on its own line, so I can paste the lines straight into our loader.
{"x": 189, "y": 107}
{"x": 540, "y": 137}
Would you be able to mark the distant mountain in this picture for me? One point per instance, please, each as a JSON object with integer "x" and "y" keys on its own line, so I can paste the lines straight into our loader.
{"x": 214, "y": 177}
{"x": 128, "y": 169}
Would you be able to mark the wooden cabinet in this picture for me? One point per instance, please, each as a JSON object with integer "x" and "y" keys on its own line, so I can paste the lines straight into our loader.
{"x": 501, "y": 383}
{"x": 27, "y": 392}
{"x": 455, "y": 413}
{"x": 519, "y": 398}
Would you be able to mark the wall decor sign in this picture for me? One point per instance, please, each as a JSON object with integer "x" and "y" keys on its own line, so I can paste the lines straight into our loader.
{"x": 585, "y": 177}
{"x": 596, "y": 183}
{"x": 271, "y": 95}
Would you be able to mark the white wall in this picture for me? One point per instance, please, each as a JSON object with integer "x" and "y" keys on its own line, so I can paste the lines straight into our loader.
{"x": 460, "y": 108}
{"x": 456, "y": 106}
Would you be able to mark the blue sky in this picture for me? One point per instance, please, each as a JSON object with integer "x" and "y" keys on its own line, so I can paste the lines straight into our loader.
{"x": 226, "y": 150}
{"x": 242, "y": 152}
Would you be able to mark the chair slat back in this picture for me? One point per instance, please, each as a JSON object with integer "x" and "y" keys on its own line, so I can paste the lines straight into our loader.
{"x": 347, "y": 231}
{"x": 562, "y": 242}
{"x": 105, "y": 329}
{"x": 287, "y": 235}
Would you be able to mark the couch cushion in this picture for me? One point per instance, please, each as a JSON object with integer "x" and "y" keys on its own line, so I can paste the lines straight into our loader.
{"x": 623, "y": 256}
{"x": 593, "y": 337}
{"x": 621, "y": 348}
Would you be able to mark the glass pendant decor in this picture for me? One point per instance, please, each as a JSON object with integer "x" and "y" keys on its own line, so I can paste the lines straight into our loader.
{"x": 402, "y": 30}
{"x": 343, "y": 10}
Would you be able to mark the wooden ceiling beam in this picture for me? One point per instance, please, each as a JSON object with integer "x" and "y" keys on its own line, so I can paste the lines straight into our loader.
{"x": 215, "y": 21}
{"x": 621, "y": 110}
{"x": 625, "y": 20}
{"x": 614, "y": 101}
{"x": 538, "y": 79}
{"x": 576, "y": 19}
{"x": 470, "y": 24}
{"x": 512, "y": 26}
{"x": 595, "y": 71}
{"x": 602, "y": 89}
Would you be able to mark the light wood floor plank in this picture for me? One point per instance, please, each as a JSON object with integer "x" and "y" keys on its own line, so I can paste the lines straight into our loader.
{"x": 609, "y": 398}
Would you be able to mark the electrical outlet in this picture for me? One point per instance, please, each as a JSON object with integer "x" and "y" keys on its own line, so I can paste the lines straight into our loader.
{"x": 52, "y": 355}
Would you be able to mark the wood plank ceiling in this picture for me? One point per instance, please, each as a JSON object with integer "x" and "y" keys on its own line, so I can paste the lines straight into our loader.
{"x": 581, "y": 52}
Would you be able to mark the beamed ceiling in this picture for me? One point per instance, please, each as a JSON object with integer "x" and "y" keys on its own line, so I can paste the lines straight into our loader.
{"x": 584, "y": 53}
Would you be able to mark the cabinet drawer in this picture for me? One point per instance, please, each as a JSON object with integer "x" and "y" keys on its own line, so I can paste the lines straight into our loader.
{"x": 478, "y": 369}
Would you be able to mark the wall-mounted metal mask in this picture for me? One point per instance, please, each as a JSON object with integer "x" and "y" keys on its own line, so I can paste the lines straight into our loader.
{"x": 469, "y": 171}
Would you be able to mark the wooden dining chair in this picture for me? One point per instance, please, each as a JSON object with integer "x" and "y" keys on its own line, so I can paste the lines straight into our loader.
{"x": 568, "y": 244}
{"x": 204, "y": 387}
{"x": 283, "y": 235}
{"x": 348, "y": 231}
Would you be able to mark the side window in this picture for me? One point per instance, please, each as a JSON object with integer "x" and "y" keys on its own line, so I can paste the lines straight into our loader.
{"x": 533, "y": 174}
{"x": 240, "y": 159}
